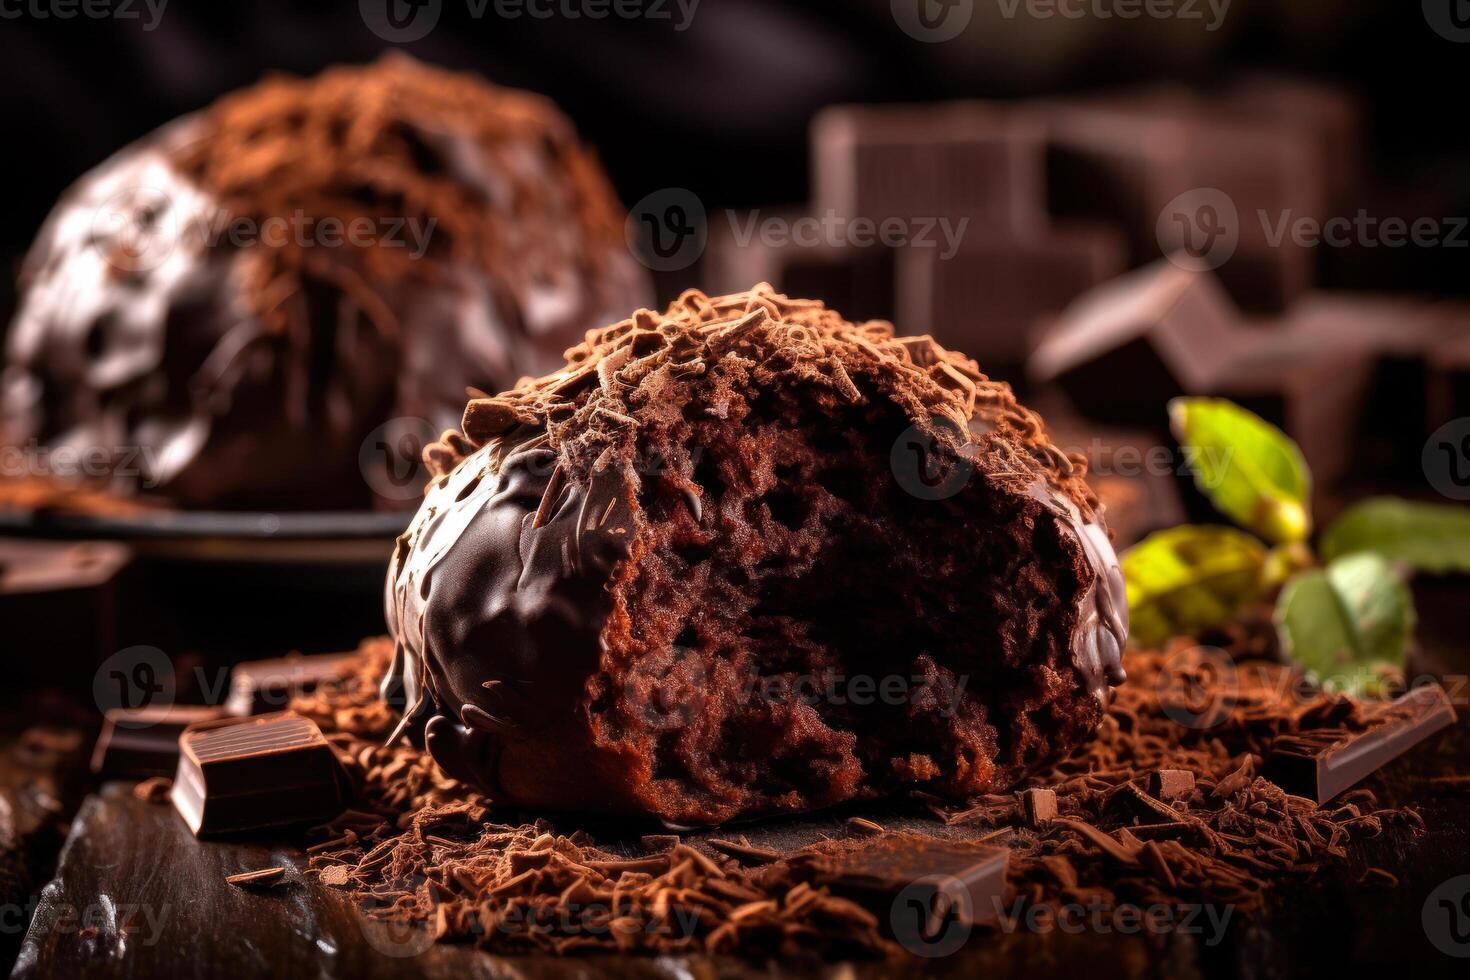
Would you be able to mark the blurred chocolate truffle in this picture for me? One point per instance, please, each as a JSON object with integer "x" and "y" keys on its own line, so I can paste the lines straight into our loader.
{"x": 228, "y": 309}
{"x": 745, "y": 556}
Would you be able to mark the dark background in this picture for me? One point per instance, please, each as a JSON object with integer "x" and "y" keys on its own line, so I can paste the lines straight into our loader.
{"x": 722, "y": 107}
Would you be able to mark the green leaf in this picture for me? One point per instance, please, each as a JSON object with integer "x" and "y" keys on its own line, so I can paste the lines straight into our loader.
{"x": 1251, "y": 471}
{"x": 1190, "y": 578}
{"x": 1342, "y": 624}
{"x": 1426, "y": 537}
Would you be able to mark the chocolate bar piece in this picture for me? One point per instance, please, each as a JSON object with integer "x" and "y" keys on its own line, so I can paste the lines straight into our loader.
{"x": 269, "y": 685}
{"x": 142, "y": 742}
{"x": 941, "y": 879}
{"x": 1121, "y": 351}
{"x": 1129, "y": 157}
{"x": 956, "y": 160}
{"x": 987, "y": 297}
{"x": 1321, "y": 768}
{"x": 253, "y": 773}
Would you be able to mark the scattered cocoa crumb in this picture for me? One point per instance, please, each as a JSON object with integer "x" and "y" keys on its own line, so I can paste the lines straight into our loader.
{"x": 419, "y": 847}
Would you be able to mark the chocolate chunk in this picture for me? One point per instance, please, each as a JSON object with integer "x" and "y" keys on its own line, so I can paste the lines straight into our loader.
{"x": 967, "y": 882}
{"x": 1165, "y": 329}
{"x": 1322, "y": 766}
{"x": 254, "y": 773}
{"x": 141, "y": 742}
{"x": 1127, "y": 158}
{"x": 1170, "y": 784}
{"x": 987, "y": 294}
{"x": 269, "y": 685}
{"x": 1039, "y": 806}
{"x": 961, "y": 160}
{"x": 264, "y": 877}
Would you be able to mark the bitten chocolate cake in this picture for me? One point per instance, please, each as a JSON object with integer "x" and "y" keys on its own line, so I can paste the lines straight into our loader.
{"x": 746, "y": 556}
{"x": 230, "y": 306}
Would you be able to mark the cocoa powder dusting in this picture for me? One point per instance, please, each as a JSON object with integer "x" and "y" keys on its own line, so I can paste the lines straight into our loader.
{"x": 419, "y": 847}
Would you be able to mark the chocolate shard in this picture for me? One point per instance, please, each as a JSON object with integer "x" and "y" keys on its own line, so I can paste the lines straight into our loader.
{"x": 269, "y": 685}
{"x": 142, "y": 742}
{"x": 1321, "y": 770}
{"x": 250, "y": 774}
{"x": 940, "y": 879}
{"x": 1164, "y": 328}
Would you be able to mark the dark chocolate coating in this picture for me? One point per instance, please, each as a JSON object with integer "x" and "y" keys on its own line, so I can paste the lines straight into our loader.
{"x": 498, "y": 622}
{"x": 472, "y": 576}
{"x": 154, "y": 353}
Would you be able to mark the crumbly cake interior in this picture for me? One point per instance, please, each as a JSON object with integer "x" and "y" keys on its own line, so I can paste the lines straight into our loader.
{"x": 795, "y": 629}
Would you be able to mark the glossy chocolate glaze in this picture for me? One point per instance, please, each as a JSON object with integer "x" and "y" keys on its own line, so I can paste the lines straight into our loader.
{"x": 498, "y": 622}
{"x": 135, "y": 332}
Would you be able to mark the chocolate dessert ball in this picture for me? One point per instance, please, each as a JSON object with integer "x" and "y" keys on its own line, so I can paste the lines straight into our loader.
{"x": 745, "y": 556}
{"x": 230, "y": 307}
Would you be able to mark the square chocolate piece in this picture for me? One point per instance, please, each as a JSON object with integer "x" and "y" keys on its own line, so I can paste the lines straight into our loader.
{"x": 142, "y": 742}
{"x": 241, "y": 774}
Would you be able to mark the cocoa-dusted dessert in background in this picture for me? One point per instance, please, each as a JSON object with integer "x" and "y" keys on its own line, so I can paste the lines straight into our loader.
{"x": 230, "y": 306}
{"x": 746, "y": 556}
